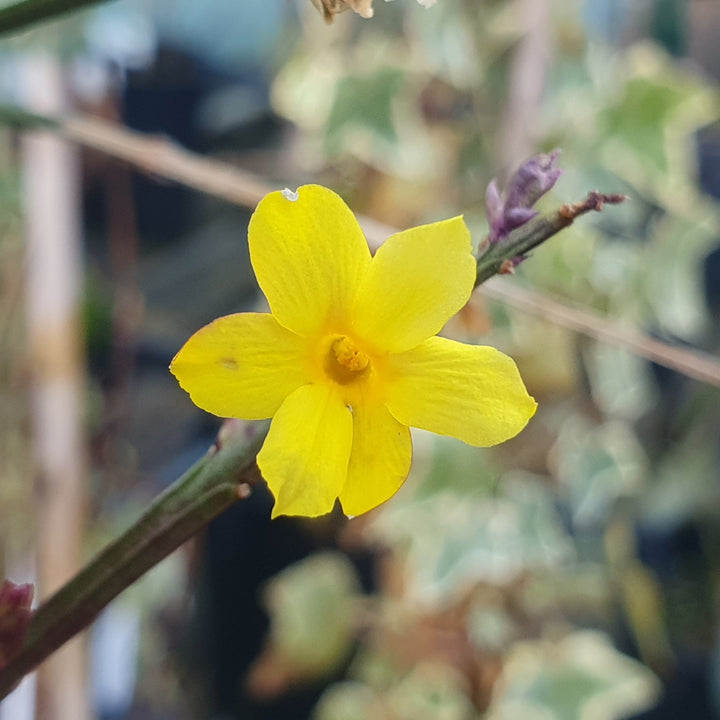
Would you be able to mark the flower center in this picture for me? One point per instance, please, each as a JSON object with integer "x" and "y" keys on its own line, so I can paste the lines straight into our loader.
{"x": 345, "y": 361}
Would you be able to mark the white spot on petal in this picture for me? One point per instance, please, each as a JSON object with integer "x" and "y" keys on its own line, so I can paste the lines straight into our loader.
{"x": 291, "y": 195}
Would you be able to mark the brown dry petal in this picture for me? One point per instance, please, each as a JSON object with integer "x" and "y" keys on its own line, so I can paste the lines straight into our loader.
{"x": 330, "y": 8}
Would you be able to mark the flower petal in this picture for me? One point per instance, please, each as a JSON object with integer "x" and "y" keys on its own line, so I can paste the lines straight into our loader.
{"x": 379, "y": 461}
{"x": 242, "y": 366}
{"x": 417, "y": 280}
{"x": 309, "y": 254}
{"x": 304, "y": 459}
{"x": 470, "y": 392}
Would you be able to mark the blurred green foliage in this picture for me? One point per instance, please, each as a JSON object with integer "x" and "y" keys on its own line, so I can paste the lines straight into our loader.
{"x": 521, "y": 546}
{"x": 491, "y": 562}
{"x": 312, "y": 605}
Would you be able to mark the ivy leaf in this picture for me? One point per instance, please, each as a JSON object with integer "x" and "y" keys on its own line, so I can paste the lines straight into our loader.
{"x": 582, "y": 677}
{"x": 364, "y": 102}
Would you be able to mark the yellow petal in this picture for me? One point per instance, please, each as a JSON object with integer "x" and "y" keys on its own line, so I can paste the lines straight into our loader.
{"x": 304, "y": 459}
{"x": 379, "y": 461}
{"x": 470, "y": 392}
{"x": 309, "y": 254}
{"x": 417, "y": 280}
{"x": 242, "y": 366}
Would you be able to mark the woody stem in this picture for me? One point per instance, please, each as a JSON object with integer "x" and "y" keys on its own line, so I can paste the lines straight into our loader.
{"x": 226, "y": 474}
{"x": 527, "y": 237}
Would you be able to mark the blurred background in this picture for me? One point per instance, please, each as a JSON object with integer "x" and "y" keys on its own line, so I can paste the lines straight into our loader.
{"x": 572, "y": 573}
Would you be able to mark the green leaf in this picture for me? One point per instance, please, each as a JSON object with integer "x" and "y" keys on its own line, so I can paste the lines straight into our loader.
{"x": 456, "y": 539}
{"x": 346, "y": 701}
{"x": 596, "y": 465}
{"x": 364, "y": 102}
{"x": 312, "y": 607}
{"x": 432, "y": 691}
{"x": 582, "y": 677}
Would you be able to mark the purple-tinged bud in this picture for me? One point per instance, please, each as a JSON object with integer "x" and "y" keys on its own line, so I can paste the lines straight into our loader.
{"x": 517, "y": 216}
{"x": 15, "y": 616}
{"x": 494, "y": 210}
{"x": 528, "y": 184}
{"x": 533, "y": 179}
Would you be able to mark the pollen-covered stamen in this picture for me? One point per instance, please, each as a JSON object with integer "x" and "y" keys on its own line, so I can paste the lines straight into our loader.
{"x": 348, "y": 355}
{"x": 346, "y": 361}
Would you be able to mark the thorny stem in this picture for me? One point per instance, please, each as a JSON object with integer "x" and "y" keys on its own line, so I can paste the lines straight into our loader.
{"x": 226, "y": 474}
{"x": 498, "y": 258}
{"x": 20, "y": 15}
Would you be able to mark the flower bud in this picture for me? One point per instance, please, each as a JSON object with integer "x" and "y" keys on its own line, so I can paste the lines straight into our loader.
{"x": 15, "y": 615}
{"x": 528, "y": 184}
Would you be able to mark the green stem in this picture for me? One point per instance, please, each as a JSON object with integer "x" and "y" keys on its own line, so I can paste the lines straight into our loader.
{"x": 497, "y": 259}
{"x": 28, "y": 12}
{"x": 208, "y": 488}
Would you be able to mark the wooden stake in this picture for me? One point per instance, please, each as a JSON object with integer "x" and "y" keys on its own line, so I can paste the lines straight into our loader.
{"x": 53, "y": 280}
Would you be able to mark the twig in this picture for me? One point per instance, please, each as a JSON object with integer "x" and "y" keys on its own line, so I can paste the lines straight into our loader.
{"x": 29, "y": 12}
{"x": 225, "y": 475}
{"x": 694, "y": 364}
{"x": 164, "y": 159}
{"x": 527, "y": 237}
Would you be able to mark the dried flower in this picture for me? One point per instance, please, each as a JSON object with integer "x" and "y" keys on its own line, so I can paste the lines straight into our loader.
{"x": 330, "y": 8}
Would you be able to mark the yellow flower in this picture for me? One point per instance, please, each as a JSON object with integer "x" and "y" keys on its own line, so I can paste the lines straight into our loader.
{"x": 347, "y": 360}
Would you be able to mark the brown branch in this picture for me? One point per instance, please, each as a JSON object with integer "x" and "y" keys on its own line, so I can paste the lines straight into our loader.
{"x": 162, "y": 158}
{"x": 594, "y": 201}
{"x": 693, "y": 364}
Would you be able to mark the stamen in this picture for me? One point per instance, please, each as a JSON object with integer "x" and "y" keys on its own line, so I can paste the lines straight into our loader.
{"x": 345, "y": 362}
{"x": 348, "y": 355}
